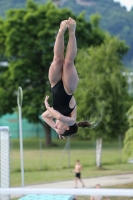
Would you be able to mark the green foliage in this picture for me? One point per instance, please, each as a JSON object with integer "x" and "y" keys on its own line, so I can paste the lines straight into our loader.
{"x": 6, "y": 5}
{"x": 130, "y": 116}
{"x": 114, "y": 18}
{"x": 102, "y": 85}
{"x": 2, "y": 46}
{"x": 95, "y": 19}
{"x": 128, "y": 140}
{"x": 128, "y": 143}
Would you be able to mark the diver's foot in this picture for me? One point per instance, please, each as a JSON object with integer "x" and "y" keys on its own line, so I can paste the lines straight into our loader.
{"x": 63, "y": 26}
{"x": 71, "y": 25}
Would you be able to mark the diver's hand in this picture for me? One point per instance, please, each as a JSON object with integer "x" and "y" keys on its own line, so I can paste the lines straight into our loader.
{"x": 46, "y": 102}
{"x": 58, "y": 132}
{"x": 61, "y": 137}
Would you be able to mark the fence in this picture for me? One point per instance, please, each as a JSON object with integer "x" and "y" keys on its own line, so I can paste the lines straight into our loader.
{"x": 30, "y": 130}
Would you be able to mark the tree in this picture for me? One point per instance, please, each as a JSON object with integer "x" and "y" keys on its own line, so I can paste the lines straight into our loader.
{"x": 29, "y": 36}
{"x": 115, "y": 18}
{"x": 128, "y": 140}
{"x": 2, "y": 56}
{"x": 102, "y": 85}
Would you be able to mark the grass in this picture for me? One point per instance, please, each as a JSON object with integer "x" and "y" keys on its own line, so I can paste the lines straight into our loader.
{"x": 42, "y": 164}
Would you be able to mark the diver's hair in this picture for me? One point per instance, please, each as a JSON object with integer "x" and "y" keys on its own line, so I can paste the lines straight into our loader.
{"x": 74, "y": 128}
{"x": 84, "y": 124}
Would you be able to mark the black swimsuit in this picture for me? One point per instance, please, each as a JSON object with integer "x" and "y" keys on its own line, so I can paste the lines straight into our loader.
{"x": 61, "y": 99}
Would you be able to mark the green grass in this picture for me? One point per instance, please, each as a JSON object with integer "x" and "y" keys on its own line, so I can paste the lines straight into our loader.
{"x": 42, "y": 164}
{"x": 51, "y": 164}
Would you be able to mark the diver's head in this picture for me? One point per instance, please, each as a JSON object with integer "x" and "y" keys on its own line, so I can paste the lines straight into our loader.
{"x": 60, "y": 127}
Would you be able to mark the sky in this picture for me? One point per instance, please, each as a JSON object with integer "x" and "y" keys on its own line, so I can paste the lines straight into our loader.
{"x": 127, "y": 3}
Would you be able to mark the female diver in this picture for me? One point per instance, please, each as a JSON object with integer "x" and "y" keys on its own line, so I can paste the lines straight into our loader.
{"x": 63, "y": 79}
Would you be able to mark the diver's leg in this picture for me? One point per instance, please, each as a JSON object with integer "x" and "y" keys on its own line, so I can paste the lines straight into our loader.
{"x": 70, "y": 76}
{"x": 55, "y": 70}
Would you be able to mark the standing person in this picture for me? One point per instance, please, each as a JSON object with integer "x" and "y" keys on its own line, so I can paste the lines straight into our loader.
{"x": 63, "y": 79}
{"x": 98, "y": 186}
{"x": 78, "y": 168}
{"x": 96, "y": 197}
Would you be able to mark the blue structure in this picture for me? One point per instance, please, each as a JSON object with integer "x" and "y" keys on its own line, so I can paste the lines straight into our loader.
{"x": 47, "y": 197}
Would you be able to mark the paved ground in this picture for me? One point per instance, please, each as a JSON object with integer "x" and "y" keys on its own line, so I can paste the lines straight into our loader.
{"x": 89, "y": 182}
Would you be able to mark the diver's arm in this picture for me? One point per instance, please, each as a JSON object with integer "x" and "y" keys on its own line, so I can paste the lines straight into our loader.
{"x": 47, "y": 117}
{"x": 68, "y": 120}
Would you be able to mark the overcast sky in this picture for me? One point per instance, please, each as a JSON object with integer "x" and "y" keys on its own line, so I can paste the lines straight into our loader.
{"x": 127, "y": 3}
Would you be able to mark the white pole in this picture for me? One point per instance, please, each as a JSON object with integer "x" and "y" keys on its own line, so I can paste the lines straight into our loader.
{"x": 19, "y": 102}
{"x": 67, "y": 191}
{"x": 4, "y": 160}
{"x": 68, "y": 151}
